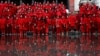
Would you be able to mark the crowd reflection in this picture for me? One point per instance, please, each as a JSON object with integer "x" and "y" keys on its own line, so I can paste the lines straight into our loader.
{"x": 50, "y": 45}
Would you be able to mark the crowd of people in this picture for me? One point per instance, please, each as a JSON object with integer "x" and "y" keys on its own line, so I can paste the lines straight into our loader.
{"x": 89, "y": 17}
{"x": 36, "y": 17}
{"x": 44, "y": 17}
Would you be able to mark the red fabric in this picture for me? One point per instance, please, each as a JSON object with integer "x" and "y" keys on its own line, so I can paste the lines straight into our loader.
{"x": 72, "y": 20}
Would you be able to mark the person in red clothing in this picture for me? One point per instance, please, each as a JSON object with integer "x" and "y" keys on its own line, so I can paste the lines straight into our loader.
{"x": 53, "y": 25}
{"x": 34, "y": 25}
{"x": 27, "y": 23}
{"x": 58, "y": 13}
{"x": 21, "y": 24}
{"x": 82, "y": 26}
{"x": 65, "y": 25}
{"x": 9, "y": 24}
{"x": 85, "y": 24}
{"x": 13, "y": 9}
{"x": 98, "y": 23}
{"x": 98, "y": 19}
{"x": 1, "y": 8}
{"x": 45, "y": 25}
{"x": 72, "y": 22}
{"x": 82, "y": 9}
{"x": 88, "y": 25}
{"x": 94, "y": 9}
{"x": 3, "y": 25}
{"x": 58, "y": 26}
{"x": 48, "y": 25}
{"x": 39, "y": 25}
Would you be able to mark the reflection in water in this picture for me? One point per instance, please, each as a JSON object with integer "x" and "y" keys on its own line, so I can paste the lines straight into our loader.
{"x": 49, "y": 46}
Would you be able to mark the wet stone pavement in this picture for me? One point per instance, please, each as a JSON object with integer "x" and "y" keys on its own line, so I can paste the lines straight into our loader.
{"x": 56, "y": 45}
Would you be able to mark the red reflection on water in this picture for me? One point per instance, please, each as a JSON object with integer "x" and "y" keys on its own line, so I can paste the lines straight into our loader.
{"x": 49, "y": 46}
